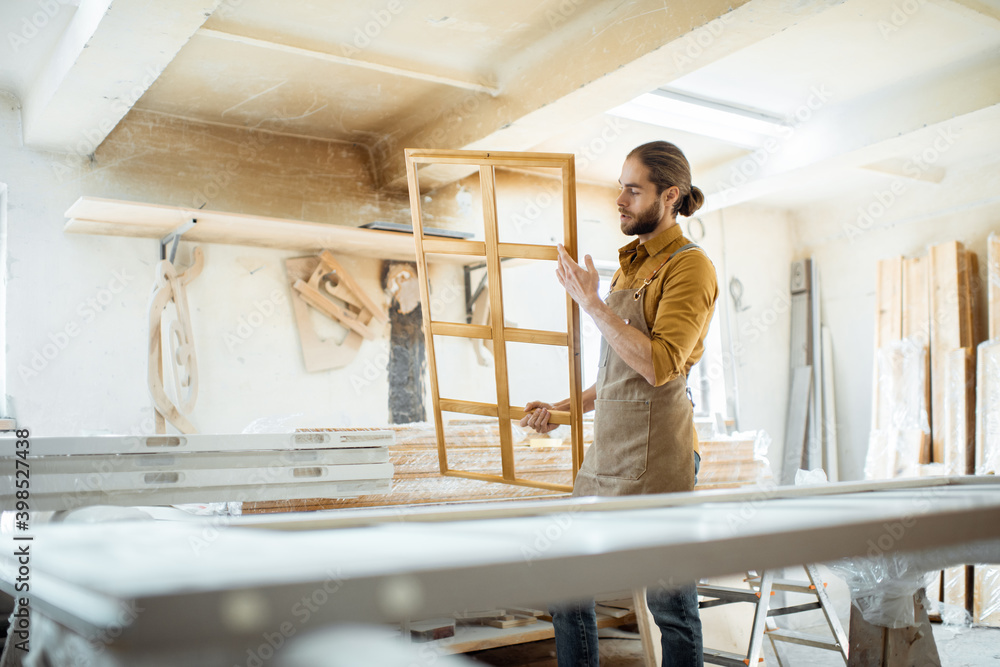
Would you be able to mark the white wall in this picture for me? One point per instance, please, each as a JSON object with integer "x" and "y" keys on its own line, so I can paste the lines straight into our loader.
{"x": 755, "y": 245}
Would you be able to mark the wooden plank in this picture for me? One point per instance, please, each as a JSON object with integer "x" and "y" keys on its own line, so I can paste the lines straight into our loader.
{"x": 830, "y": 440}
{"x": 993, "y": 285}
{"x": 890, "y": 304}
{"x": 428, "y": 631}
{"x": 514, "y": 622}
{"x": 468, "y": 407}
{"x": 913, "y": 645}
{"x": 888, "y": 326}
{"x": 555, "y": 416}
{"x": 487, "y": 158}
{"x": 568, "y": 177}
{"x": 916, "y": 309}
{"x": 988, "y": 409}
{"x": 535, "y": 336}
{"x": 517, "y": 480}
{"x": 537, "y": 613}
{"x": 972, "y": 312}
{"x": 454, "y": 247}
{"x": 425, "y": 299}
{"x": 916, "y": 324}
{"x": 528, "y": 251}
{"x": 478, "y": 331}
{"x": 612, "y": 611}
{"x": 960, "y": 413}
{"x": 814, "y": 444}
{"x": 649, "y": 633}
{"x": 949, "y": 328}
{"x": 93, "y": 215}
{"x": 797, "y": 421}
{"x": 487, "y": 183}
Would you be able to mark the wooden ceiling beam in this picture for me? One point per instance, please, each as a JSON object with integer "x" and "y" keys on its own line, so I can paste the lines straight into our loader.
{"x": 473, "y": 86}
{"x": 111, "y": 53}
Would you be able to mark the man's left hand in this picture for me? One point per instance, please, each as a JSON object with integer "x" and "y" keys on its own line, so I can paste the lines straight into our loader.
{"x": 580, "y": 283}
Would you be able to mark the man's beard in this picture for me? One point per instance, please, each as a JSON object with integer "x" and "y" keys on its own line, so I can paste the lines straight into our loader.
{"x": 645, "y": 222}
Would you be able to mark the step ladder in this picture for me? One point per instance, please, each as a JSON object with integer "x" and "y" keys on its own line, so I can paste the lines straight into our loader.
{"x": 761, "y": 590}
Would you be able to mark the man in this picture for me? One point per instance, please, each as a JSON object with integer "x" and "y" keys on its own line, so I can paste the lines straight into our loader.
{"x": 653, "y": 325}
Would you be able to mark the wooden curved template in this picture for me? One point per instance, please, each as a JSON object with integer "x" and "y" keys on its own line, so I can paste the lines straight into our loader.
{"x": 168, "y": 287}
{"x": 350, "y": 305}
{"x": 317, "y": 354}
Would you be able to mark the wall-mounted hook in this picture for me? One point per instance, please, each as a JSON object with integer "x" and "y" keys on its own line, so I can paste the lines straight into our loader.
{"x": 173, "y": 239}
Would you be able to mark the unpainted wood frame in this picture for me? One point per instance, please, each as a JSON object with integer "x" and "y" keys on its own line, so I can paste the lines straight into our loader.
{"x": 360, "y": 309}
{"x": 493, "y": 251}
{"x": 317, "y": 354}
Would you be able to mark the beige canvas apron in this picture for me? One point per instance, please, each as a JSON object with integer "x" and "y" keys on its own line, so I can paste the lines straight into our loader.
{"x": 643, "y": 435}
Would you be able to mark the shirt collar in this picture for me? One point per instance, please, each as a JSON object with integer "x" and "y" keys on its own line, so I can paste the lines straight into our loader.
{"x": 655, "y": 245}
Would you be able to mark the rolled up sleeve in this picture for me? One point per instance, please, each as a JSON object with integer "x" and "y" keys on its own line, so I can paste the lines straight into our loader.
{"x": 683, "y": 312}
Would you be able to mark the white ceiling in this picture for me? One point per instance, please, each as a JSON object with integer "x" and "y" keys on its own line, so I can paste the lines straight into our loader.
{"x": 539, "y": 75}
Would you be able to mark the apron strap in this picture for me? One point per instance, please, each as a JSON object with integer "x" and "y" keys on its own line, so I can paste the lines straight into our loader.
{"x": 648, "y": 280}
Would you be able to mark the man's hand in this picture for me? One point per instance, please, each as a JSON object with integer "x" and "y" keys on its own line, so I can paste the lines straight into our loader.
{"x": 580, "y": 283}
{"x": 536, "y": 417}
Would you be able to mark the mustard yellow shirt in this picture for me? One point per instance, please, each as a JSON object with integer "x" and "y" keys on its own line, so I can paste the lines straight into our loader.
{"x": 678, "y": 303}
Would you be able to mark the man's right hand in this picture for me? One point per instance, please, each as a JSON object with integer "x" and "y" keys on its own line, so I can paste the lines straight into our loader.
{"x": 536, "y": 417}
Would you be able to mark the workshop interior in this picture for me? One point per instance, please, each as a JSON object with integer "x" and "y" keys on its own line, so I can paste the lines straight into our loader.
{"x": 396, "y": 332}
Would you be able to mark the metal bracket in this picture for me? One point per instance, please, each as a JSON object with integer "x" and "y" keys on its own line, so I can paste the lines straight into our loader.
{"x": 472, "y": 296}
{"x": 174, "y": 238}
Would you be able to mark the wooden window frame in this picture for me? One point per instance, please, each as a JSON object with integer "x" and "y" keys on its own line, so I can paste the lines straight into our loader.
{"x": 492, "y": 250}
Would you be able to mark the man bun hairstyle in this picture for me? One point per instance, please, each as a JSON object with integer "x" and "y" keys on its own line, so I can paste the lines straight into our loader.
{"x": 667, "y": 168}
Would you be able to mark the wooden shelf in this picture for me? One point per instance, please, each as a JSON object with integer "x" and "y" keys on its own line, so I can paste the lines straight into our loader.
{"x": 113, "y": 217}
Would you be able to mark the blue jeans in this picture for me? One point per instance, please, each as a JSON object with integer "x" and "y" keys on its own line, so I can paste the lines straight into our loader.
{"x": 675, "y": 612}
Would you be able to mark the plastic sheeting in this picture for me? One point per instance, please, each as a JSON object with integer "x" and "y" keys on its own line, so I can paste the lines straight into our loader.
{"x": 986, "y": 596}
{"x": 902, "y": 423}
{"x": 882, "y": 585}
{"x": 988, "y": 409}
